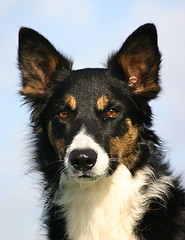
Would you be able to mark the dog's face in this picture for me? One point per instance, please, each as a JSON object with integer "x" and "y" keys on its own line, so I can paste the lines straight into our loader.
{"x": 90, "y": 120}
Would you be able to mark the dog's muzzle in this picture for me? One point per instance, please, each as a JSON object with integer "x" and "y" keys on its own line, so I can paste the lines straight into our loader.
{"x": 85, "y": 158}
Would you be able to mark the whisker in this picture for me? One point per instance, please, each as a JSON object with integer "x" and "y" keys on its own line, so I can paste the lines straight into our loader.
{"x": 60, "y": 171}
{"x": 115, "y": 160}
{"x": 53, "y": 162}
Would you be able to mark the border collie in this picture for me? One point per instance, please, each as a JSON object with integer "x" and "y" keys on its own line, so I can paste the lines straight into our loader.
{"x": 102, "y": 164}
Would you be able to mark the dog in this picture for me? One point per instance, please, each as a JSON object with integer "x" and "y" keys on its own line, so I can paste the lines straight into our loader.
{"x": 103, "y": 167}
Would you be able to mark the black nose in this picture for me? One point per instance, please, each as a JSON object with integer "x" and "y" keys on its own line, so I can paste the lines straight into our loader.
{"x": 83, "y": 159}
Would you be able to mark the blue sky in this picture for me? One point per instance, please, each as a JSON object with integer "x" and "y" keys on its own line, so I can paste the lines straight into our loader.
{"x": 88, "y": 31}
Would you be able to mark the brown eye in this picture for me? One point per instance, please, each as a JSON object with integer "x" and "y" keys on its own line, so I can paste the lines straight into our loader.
{"x": 111, "y": 113}
{"x": 63, "y": 114}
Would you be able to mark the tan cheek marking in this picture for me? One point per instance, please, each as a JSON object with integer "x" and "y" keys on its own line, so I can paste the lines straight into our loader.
{"x": 50, "y": 134}
{"x": 58, "y": 144}
{"x": 102, "y": 102}
{"x": 124, "y": 147}
{"x": 71, "y": 101}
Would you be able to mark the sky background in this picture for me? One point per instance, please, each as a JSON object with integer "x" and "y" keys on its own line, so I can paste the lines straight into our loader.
{"x": 88, "y": 31}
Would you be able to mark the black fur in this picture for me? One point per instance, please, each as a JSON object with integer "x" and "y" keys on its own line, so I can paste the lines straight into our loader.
{"x": 131, "y": 80}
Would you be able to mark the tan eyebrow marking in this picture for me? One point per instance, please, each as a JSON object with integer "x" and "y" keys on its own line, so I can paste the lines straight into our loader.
{"x": 71, "y": 101}
{"x": 102, "y": 102}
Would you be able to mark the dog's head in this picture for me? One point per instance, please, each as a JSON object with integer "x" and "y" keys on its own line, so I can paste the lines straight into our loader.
{"x": 90, "y": 121}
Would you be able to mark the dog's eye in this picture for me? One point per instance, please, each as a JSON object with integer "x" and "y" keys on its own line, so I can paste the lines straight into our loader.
{"x": 112, "y": 113}
{"x": 63, "y": 114}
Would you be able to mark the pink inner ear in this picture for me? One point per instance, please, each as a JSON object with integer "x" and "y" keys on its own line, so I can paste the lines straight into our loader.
{"x": 136, "y": 83}
{"x": 136, "y": 67}
{"x": 132, "y": 81}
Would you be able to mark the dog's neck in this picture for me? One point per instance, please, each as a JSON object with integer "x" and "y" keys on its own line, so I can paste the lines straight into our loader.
{"x": 104, "y": 209}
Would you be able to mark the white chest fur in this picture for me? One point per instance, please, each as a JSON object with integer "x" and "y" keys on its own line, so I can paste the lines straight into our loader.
{"x": 103, "y": 209}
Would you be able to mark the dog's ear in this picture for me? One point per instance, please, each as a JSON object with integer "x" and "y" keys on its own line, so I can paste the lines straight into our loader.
{"x": 38, "y": 60}
{"x": 138, "y": 62}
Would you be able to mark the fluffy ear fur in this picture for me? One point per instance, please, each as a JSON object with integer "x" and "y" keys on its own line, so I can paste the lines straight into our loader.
{"x": 38, "y": 61}
{"x": 138, "y": 62}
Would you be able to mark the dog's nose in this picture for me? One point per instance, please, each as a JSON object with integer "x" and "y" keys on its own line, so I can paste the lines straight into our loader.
{"x": 83, "y": 159}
